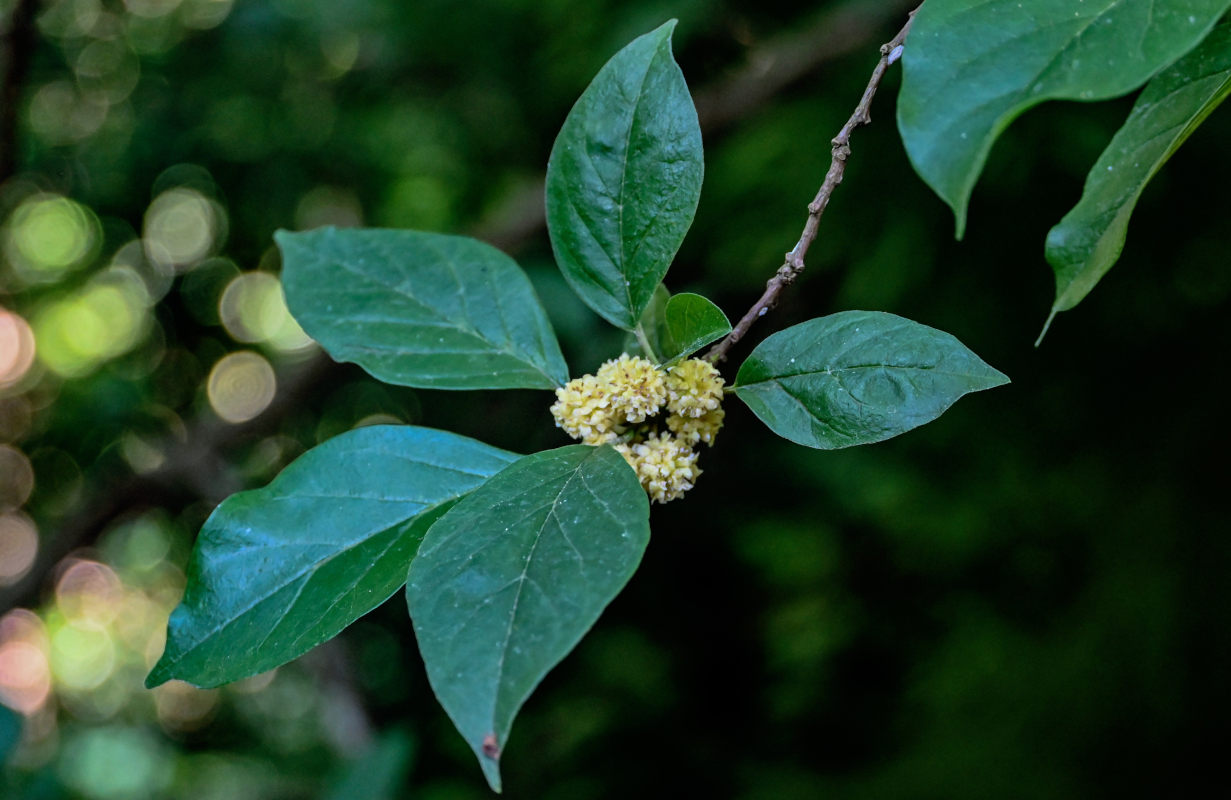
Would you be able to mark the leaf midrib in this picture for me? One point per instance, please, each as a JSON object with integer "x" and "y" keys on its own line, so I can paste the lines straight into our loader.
{"x": 506, "y": 348}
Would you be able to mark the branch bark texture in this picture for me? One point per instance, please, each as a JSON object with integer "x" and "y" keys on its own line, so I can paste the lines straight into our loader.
{"x": 793, "y": 263}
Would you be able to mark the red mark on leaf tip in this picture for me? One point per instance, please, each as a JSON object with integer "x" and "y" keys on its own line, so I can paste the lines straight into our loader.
{"x": 490, "y": 748}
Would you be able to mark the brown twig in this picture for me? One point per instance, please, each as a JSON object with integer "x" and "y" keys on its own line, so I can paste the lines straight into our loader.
{"x": 793, "y": 264}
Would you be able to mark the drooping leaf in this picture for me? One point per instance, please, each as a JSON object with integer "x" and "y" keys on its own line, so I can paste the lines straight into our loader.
{"x": 421, "y": 309}
{"x": 971, "y": 66}
{"x": 692, "y": 323}
{"x": 276, "y": 571}
{"x": 624, "y": 178}
{"x": 508, "y": 581}
{"x": 857, "y": 377}
{"x": 1087, "y": 242}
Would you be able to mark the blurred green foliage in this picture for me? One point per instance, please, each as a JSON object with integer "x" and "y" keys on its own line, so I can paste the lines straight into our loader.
{"x": 1027, "y": 598}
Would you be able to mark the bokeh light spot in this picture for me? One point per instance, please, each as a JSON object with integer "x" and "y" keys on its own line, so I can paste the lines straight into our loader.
{"x": 60, "y": 113}
{"x": 182, "y": 227}
{"x": 102, "y": 320}
{"x": 16, "y": 416}
{"x": 18, "y": 547}
{"x": 89, "y": 591}
{"x": 82, "y": 655}
{"x": 108, "y": 69}
{"x": 16, "y": 478}
{"x": 253, "y": 309}
{"x": 25, "y": 676}
{"x": 16, "y": 348}
{"x": 328, "y": 205}
{"x": 70, "y": 18}
{"x": 116, "y": 763}
{"x": 49, "y": 235}
{"x": 241, "y": 386}
{"x": 182, "y": 707}
{"x": 151, "y": 8}
{"x": 204, "y": 14}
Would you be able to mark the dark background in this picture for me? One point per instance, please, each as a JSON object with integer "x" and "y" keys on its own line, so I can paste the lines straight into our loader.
{"x": 1026, "y": 598}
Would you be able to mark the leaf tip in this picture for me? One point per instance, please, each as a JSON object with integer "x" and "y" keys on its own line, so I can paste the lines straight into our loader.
{"x": 491, "y": 771}
{"x": 157, "y": 677}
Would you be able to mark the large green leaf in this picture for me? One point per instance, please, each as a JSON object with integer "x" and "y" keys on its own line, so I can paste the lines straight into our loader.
{"x": 971, "y": 66}
{"x": 276, "y": 571}
{"x": 857, "y": 377}
{"x": 421, "y": 309}
{"x": 508, "y": 581}
{"x": 1087, "y": 242}
{"x": 624, "y": 178}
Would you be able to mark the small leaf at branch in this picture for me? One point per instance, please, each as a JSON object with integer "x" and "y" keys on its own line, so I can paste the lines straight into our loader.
{"x": 692, "y": 323}
{"x": 857, "y": 377}
{"x": 624, "y": 178}
{"x": 1087, "y": 242}
{"x": 971, "y": 66}
{"x": 277, "y": 571}
{"x": 511, "y": 578}
{"x": 421, "y": 309}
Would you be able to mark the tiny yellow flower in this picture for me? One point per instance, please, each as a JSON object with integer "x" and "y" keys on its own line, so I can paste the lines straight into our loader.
{"x": 583, "y": 408}
{"x": 636, "y": 387}
{"x": 666, "y": 466}
{"x": 693, "y": 430}
{"x": 694, "y": 388}
{"x": 613, "y": 406}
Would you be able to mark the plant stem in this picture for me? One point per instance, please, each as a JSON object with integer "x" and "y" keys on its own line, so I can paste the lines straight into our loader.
{"x": 793, "y": 264}
{"x": 646, "y": 348}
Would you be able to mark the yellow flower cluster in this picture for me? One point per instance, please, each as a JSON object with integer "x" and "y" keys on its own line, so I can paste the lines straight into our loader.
{"x": 617, "y": 406}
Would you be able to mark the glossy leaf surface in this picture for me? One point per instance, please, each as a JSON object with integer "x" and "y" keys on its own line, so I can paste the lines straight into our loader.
{"x": 624, "y": 178}
{"x": 857, "y": 377}
{"x": 693, "y": 322}
{"x": 276, "y": 571}
{"x": 654, "y": 324}
{"x": 508, "y": 581}
{"x": 421, "y": 309}
{"x": 971, "y": 66}
{"x": 1087, "y": 242}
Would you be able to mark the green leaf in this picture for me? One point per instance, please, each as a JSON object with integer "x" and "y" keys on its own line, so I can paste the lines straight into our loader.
{"x": 624, "y": 178}
{"x": 10, "y": 734}
{"x": 1087, "y": 242}
{"x": 971, "y": 66}
{"x": 857, "y": 377}
{"x": 653, "y": 324}
{"x": 511, "y": 578}
{"x": 692, "y": 323}
{"x": 421, "y": 309}
{"x": 276, "y": 571}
